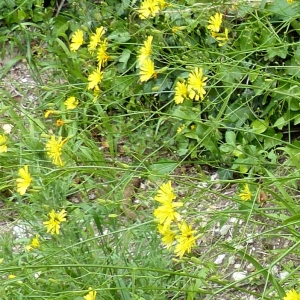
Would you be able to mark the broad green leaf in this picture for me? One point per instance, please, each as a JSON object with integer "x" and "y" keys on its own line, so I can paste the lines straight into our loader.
{"x": 120, "y": 36}
{"x": 280, "y": 123}
{"x": 260, "y": 126}
{"x": 230, "y": 138}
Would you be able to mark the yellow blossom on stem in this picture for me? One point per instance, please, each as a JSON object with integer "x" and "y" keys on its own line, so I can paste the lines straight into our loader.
{"x": 180, "y": 128}
{"x": 196, "y": 83}
{"x": 222, "y": 37}
{"x": 35, "y": 243}
{"x": 245, "y": 193}
{"x": 71, "y": 103}
{"x": 147, "y": 70}
{"x": 95, "y": 78}
{"x": 166, "y": 212}
{"x": 102, "y": 55}
{"x": 145, "y": 51}
{"x": 91, "y": 295}
{"x": 186, "y": 239}
{"x": 59, "y": 122}
{"x": 3, "y": 143}
{"x": 215, "y": 22}
{"x": 181, "y": 92}
{"x": 292, "y": 295}
{"x": 24, "y": 181}
{"x": 95, "y": 39}
{"x": 165, "y": 193}
{"x": 290, "y": 1}
{"x": 48, "y": 113}
{"x": 168, "y": 235}
{"x": 55, "y": 219}
{"x": 148, "y": 8}
{"x": 54, "y": 149}
{"x": 97, "y": 92}
{"x": 77, "y": 40}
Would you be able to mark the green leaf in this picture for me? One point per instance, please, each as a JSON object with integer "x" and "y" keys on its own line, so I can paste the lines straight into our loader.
{"x": 259, "y": 126}
{"x": 230, "y": 138}
{"x": 119, "y": 35}
{"x": 283, "y": 9}
{"x": 281, "y": 51}
{"x": 280, "y": 123}
{"x": 163, "y": 166}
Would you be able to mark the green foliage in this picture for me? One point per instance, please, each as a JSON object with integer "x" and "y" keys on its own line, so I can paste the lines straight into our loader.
{"x": 242, "y": 122}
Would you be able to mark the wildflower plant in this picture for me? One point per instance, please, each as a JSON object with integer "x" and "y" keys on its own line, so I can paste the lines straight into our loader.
{"x": 206, "y": 95}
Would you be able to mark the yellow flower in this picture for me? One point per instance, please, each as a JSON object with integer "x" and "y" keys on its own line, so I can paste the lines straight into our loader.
{"x": 292, "y": 295}
{"x": 146, "y": 50}
{"x": 196, "y": 82}
{"x": 48, "y": 113}
{"x": 95, "y": 78}
{"x": 97, "y": 92}
{"x": 54, "y": 149}
{"x": 33, "y": 244}
{"x": 166, "y": 213}
{"x": 181, "y": 92}
{"x": 95, "y": 39}
{"x": 102, "y": 55}
{"x": 91, "y": 295}
{"x": 162, "y": 3}
{"x": 186, "y": 240}
{"x": 180, "y": 128}
{"x": 148, "y": 8}
{"x": 147, "y": 70}
{"x": 245, "y": 194}
{"x": 71, "y": 103}
{"x": 53, "y": 225}
{"x": 222, "y": 37}
{"x": 165, "y": 193}
{"x": 168, "y": 235}
{"x": 3, "y": 145}
{"x": 60, "y": 122}
{"x": 11, "y": 276}
{"x": 77, "y": 40}
{"x": 215, "y": 22}
{"x": 290, "y": 1}
{"x": 24, "y": 182}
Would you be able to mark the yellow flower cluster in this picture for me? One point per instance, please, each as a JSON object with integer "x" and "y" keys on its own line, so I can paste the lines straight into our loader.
{"x": 144, "y": 62}
{"x": 170, "y": 226}
{"x": 149, "y": 8}
{"x": 192, "y": 89}
{"x": 214, "y": 26}
{"x": 97, "y": 44}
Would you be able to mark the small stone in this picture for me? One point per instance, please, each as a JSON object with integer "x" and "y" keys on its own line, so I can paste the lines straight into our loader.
{"x": 7, "y": 128}
{"x": 219, "y": 259}
{"x": 283, "y": 275}
{"x": 236, "y": 276}
{"x": 224, "y": 230}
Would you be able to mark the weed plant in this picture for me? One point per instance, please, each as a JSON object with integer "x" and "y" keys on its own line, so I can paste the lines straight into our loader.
{"x": 159, "y": 156}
